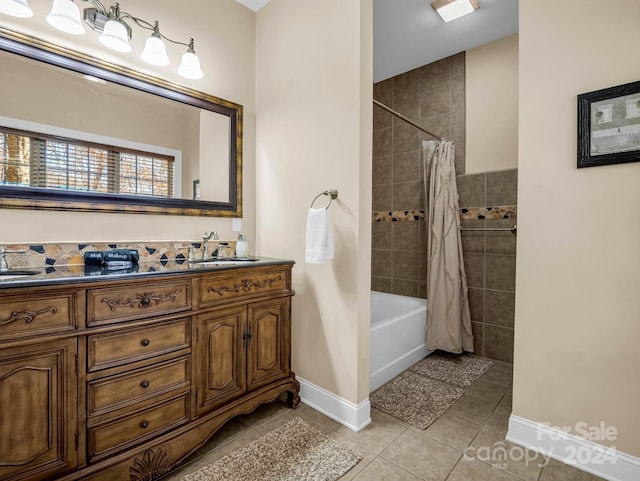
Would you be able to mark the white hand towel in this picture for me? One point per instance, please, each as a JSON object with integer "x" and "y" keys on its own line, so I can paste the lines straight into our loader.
{"x": 319, "y": 246}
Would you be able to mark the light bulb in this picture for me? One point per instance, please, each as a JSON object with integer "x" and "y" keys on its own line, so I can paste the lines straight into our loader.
{"x": 155, "y": 51}
{"x": 115, "y": 36}
{"x": 65, "y": 16}
{"x": 16, "y": 8}
{"x": 190, "y": 64}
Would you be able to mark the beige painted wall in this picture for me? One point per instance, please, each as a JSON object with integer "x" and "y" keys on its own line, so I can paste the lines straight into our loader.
{"x": 578, "y": 268}
{"x": 313, "y": 101}
{"x": 224, "y": 33}
{"x": 492, "y": 106}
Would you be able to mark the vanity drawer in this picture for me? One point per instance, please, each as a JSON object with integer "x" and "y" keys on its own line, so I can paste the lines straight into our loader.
{"x": 137, "y": 301}
{"x": 32, "y": 315}
{"x": 127, "y": 389}
{"x": 124, "y": 346}
{"x": 244, "y": 283}
{"x": 124, "y": 432}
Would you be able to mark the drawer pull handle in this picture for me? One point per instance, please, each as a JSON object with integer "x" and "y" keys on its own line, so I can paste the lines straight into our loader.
{"x": 145, "y": 384}
{"x": 144, "y": 424}
{"x": 145, "y": 342}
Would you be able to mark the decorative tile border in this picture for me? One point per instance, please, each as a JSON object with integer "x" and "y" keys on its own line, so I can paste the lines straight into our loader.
{"x": 398, "y": 216}
{"x": 496, "y": 212}
{"x": 63, "y": 254}
{"x": 467, "y": 213}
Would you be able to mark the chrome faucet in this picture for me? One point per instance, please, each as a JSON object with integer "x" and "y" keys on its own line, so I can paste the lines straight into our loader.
{"x": 4, "y": 267}
{"x": 205, "y": 242}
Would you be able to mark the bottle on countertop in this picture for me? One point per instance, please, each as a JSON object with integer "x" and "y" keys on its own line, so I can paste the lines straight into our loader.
{"x": 242, "y": 246}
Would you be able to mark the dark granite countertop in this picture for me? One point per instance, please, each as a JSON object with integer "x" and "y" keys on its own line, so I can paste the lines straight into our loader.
{"x": 73, "y": 274}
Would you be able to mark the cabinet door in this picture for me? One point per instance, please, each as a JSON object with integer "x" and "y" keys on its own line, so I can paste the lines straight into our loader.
{"x": 221, "y": 366}
{"x": 269, "y": 346}
{"x": 38, "y": 421}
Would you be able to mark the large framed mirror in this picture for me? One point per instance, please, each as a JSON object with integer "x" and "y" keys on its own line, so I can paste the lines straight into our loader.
{"x": 149, "y": 146}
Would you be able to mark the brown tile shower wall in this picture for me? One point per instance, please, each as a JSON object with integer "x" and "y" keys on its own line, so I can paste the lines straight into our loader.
{"x": 490, "y": 261}
{"x": 434, "y": 97}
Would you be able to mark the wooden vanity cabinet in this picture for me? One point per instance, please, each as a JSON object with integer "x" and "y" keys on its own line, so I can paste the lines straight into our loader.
{"x": 122, "y": 379}
{"x": 268, "y": 343}
{"x": 221, "y": 357}
{"x": 241, "y": 349}
{"x": 38, "y": 420}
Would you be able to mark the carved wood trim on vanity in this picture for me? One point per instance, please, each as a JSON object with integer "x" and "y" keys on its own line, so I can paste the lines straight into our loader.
{"x": 141, "y": 301}
{"x": 27, "y": 316}
{"x": 132, "y": 388}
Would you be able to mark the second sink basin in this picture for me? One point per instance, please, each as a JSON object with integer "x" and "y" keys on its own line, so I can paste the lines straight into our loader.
{"x": 224, "y": 260}
{"x": 19, "y": 272}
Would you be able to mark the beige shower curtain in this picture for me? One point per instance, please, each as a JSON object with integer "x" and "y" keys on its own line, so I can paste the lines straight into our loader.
{"x": 448, "y": 318}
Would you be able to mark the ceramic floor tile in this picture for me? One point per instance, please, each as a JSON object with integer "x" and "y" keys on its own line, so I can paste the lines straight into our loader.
{"x": 227, "y": 432}
{"x": 497, "y": 376}
{"x": 506, "y": 402}
{"x": 502, "y": 366}
{"x": 490, "y": 447}
{"x": 382, "y": 470}
{"x": 276, "y": 421}
{"x": 499, "y": 419}
{"x": 555, "y": 470}
{"x": 422, "y": 456}
{"x": 472, "y": 408}
{"x": 382, "y": 431}
{"x": 469, "y": 469}
{"x": 318, "y": 420}
{"x": 465, "y": 444}
{"x": 486, "y": 391}
{"x": 452, "y": 430}
{"x": 264, "y": 413}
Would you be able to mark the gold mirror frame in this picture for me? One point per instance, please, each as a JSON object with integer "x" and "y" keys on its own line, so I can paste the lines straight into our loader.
{"x": 34, "y": 198}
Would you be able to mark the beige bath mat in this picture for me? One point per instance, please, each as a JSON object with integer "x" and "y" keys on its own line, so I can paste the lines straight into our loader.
{"x": 292, "y": 452}
{"x": 457, "y": 369}
{"x": 414, "y": 398}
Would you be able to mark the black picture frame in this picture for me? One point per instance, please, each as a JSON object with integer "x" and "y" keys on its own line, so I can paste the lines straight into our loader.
{"x": 609, "y": 126}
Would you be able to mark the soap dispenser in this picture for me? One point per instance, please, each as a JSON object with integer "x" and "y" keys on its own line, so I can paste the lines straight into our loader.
{"x": 242, "y": 246}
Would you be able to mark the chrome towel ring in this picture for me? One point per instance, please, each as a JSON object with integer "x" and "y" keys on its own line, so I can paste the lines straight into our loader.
{"x": 333, "y": 193}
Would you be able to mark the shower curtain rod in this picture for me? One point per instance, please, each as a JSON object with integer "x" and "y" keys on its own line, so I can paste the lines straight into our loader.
{"x": 402, "y": 117}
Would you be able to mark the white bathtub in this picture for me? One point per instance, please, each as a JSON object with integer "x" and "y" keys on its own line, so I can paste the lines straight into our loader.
{"x": 398, "y": 335}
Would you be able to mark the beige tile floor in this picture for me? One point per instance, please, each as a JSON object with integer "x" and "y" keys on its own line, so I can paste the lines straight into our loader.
{"x": 465, "y": 444}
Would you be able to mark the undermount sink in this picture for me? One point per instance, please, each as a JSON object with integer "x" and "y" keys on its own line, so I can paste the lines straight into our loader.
{"x": 19, "y": 272}
{"x": 14, "y": 274}
{"x": 225, "y": 260}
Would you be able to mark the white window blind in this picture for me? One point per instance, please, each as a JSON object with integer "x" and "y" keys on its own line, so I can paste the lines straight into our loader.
{"x": 36, "y": 160}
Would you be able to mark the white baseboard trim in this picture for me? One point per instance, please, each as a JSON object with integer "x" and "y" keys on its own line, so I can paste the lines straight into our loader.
{"x": 605, "y": 462}
{"x": 389, "y": 371}
{"x": 353, "y": 416}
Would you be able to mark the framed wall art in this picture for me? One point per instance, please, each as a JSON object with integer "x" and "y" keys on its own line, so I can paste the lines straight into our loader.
{"x": 609, "y": 126}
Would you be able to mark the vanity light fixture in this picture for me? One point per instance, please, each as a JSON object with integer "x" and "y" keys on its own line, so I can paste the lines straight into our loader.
{"x": 155, "y": 51}
{"x": 65, "y": 16}
{"x": 16, "y": 8}
{"x": 115, "y": 32}
{"x": 452, "y": 9}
